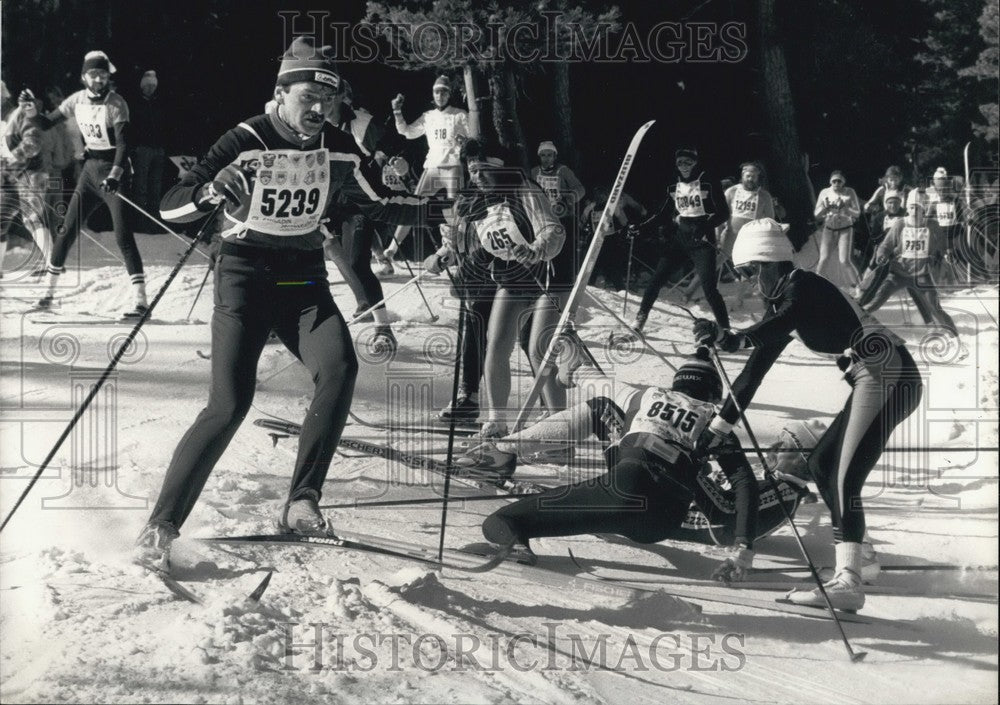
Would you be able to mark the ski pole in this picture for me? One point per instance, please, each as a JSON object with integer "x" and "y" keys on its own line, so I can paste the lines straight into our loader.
{"x": 163, "y": 225}
{"x": 621, "y": 321}
{"x": 628, "y": 271}
{"x": 452, "y": 423}
{"x": 569, "y": 331}
{"x": 122, "y": 349}
{"x": 855, "y": 656}
{"x": 406, "y": 262}
{"x": 422, "y": 500}
{"x": 211, "y": 266}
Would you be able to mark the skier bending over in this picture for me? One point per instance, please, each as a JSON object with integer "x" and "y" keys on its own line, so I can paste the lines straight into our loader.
{"x": 654, "y": 474}
{"x": 885, "y": 386}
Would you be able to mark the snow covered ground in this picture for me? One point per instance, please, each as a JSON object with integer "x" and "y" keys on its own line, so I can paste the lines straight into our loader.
{"x": 79, "y": 624}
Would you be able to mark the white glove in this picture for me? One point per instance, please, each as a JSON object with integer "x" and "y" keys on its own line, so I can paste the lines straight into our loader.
{"x": 736, "y": 566}
{"x": 397, "y": 102}
{"x": 400, "y": 166}
{"x": 527, "y": 254}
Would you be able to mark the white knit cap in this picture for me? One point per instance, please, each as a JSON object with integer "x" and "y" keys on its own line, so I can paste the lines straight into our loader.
{"x": 940, "y": 173}
{"x": 762, "y": 240}
{"x": 547, "y": 146}
{"x": 442, "y": 82}
{"x": 916, "y": 197}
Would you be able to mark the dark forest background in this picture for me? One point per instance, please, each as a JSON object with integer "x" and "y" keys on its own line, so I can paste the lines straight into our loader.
{"x": 867, "y": 83}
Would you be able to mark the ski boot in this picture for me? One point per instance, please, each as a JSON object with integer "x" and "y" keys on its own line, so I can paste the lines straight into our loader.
{"x": 384, "y": 343}
{"x": 136, "y": 313}
{"x": 844, "y": 590}
{"x": 870, "y": 567}
{"x": 501, "y": 536}
{"x": 385, "y": 268}
{"x": 465, "y": 409}
{"x": 367, "y": 318}
{"x": 492, "y": 430}
{"x": 302, "y": 516}
{"x": 489, "y": 460}
{"x": 152, "y": 548}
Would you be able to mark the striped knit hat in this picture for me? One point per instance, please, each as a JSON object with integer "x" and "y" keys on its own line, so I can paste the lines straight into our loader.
{"x": 304, "y": 61}
{"x": 698, "y": 378}
{"x": 441, "y": 82}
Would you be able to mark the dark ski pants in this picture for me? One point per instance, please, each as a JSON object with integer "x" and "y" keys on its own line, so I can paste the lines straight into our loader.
{"x": 884, "y": 393}
{"x": 924, "y": 294}
{"x": 257, "y": 290}
{"x": 357, "y": 235}
{"x": 702, "y": 255}
{"x": 87, "y": 197}
{"x": 636, "y": 498}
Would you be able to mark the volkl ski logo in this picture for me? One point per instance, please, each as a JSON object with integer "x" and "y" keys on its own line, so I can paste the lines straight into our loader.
{"x": 321, "y": 540}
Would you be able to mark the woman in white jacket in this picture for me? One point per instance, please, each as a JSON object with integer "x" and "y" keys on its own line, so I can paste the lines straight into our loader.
{"x": 838, "y": 207}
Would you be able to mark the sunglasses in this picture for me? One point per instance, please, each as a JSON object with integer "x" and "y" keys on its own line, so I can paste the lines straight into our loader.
{"x": 745, "y": 272}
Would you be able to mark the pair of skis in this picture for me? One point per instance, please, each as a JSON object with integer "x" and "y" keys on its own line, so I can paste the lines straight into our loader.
{"x": 478, "y": 479}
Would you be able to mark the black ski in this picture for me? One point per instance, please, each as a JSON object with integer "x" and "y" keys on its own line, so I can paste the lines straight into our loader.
{"x": 174, "y": 586}
{"x": 352, "y": 545}
{"x": 479, "y": 479}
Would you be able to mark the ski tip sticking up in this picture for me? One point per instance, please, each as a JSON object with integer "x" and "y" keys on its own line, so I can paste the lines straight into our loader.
{"x": 583, "y": 275}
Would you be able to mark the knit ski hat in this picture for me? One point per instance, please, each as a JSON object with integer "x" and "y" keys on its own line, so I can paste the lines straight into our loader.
{"x": 547, "y": 146}
{"x": 894, "y": 171}
{"x": 442, "y": 82}
{"x": 304, "y": 61}
{"x": 838, "y": 175}
{"x": 698, "y": 378}
{"x": 940, "y": 173}
{"x": 762, "y": 240}
{"x": 689, "y": 152}
{"x": 97, "y": 60}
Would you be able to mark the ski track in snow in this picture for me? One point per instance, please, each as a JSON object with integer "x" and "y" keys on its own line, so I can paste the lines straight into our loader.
{"x": 80, "y": 624}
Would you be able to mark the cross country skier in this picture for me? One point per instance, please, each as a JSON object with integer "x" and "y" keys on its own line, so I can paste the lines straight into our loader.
{"x": 565, "y": 193}
{"x": 516, "y": 233}
{"x": 358, "y": 233}
{"x": 909, "y": 250}
{"x": 103, "y": 118}
{"x": 446, "y": 128}
{"x": 838, "y": 208}
{"x": 279, "y": 174}
{"x": 25, "y": 179}
{"x": 944, "y": 205}
{"x": 653, "y": 475}
{"x": 885, "y": 385}
{"x": 695, "y": 208}
{"x": 748, "y": 200}
{"x": 353, "y": 238}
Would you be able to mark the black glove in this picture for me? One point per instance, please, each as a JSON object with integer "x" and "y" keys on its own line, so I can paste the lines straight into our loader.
{"x": 232, "y": 183}
{"x": 110, "y": 185}
{"x": 708, "y": 443}
{"x": 708, "y": 332}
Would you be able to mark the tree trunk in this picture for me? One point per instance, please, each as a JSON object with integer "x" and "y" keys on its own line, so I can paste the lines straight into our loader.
{"x": 790, "y": 182}
{"x": 503, "y": 88}
{"x": 471, "y": 101}
{"x": 564, "y": 112}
